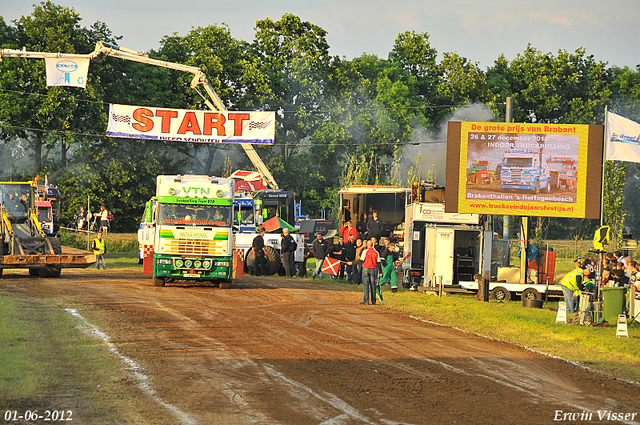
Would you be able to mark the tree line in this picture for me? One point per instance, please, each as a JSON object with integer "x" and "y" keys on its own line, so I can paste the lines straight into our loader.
{"x": 338, "y": 120}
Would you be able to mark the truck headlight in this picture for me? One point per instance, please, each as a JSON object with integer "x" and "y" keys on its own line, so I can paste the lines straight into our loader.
{"x": 188, "y": 264}
{"x": 222, "y": 264}
{"x": 206, "y": 264}
{"x": 179, "y": 263}
{"x": 197, "y": 264}
{"x": 164, "y": 261}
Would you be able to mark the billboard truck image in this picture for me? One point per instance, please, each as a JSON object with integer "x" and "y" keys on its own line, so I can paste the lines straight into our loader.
{"x": 522, "y": 169}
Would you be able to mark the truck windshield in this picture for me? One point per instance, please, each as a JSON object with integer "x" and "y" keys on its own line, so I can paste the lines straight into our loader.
{"x": 194, "y": 215}
{"x": 246, "y": 215}
{"x": 16, "y": 199}
{"x": 44, "y": 214}
{"x": 517, "y": 162}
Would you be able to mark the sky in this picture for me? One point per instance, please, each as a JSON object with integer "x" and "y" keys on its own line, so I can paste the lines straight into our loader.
{"x": 480, "y": 31}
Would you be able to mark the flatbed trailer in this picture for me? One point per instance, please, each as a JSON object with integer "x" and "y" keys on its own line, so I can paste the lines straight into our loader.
{"x": 46, "y": 261}
{"x": 503, "y": 291}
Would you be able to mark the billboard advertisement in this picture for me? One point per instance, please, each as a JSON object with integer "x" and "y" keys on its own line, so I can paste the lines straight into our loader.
{"x": 550, "y": 170}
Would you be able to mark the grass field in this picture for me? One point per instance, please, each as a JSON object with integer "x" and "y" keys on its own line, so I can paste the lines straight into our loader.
{"x": 47, "y": 362}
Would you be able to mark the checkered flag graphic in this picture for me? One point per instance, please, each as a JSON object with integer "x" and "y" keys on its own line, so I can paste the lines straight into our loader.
{"x": 259, "y": 125}
{"x": 121, "y": 118}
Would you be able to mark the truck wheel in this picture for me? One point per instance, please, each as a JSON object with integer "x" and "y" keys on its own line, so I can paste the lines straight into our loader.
{"x": 499, "y": 294}
{"x": 531, "y": 294}
{"x": 158, "y": 281}
{"x": 274, "y": 264}
{"x": 56, "y": 245}
{"x": 250, "y": 262}
{"x": 33, "y": 272}
{"x": 225, "y": 284}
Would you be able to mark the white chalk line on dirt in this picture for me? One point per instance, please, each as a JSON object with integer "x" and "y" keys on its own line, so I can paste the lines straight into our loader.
{"x": 135, "y": 368}
{"x": 328, "y": 398}
{"x": 530, "y": 390}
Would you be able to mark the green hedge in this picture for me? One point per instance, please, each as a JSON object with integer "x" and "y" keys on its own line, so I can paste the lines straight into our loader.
{"x": 116, "y": 242}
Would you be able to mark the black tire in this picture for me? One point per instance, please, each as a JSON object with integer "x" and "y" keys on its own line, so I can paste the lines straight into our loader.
{"x": 225, "y": 284}
{"x": 274, "y": 264}
{"x": 250, "y": 262}
{"x": 33, "y": 272}
{"x": 499, "y": 294}
{"x": 531, "y": 294}
{"x": 158, "y": 281}
{"x": 53, "y": 271}
{"x": 56, "y": 245}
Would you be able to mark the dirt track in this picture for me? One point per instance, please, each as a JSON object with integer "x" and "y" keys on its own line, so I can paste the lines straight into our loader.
{"x": 274, "y": 351}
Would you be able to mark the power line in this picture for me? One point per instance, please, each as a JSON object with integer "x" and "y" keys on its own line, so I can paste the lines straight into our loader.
{"x": 218, "y": 145}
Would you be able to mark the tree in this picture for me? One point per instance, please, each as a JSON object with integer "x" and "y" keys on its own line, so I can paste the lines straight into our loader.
{"x": 569, "y": 88}
{"x": 47, "y": 118}
{"x": 615, "y": 175}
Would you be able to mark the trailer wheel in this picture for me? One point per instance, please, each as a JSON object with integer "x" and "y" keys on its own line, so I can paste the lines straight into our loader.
{"x": 531, "y": 294}
{"x": 53, "y": 271}
{"x": 499, "y": 294}
{"x": 158, "y": 281}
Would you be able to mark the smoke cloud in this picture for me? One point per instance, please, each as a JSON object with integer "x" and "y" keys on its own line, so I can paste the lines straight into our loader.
{"x": 431, "y": 149}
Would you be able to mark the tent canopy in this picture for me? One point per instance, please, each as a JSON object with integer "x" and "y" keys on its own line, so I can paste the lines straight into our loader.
{"x": 275, "y": 224}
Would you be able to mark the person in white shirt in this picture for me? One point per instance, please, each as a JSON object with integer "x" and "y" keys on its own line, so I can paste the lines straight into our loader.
{"x": 104, "y": 219}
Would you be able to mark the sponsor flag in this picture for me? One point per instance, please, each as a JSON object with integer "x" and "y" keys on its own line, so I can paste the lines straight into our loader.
{"x": 622, "y": 140}
{"x": 182, "y": 125}
{"x": 67, "y": 72}
{"x": 601, "y": 238}
{"x": 331, "y": 266}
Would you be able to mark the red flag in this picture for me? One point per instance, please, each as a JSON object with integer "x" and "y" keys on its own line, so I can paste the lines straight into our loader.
{"x": 331, "y": 265}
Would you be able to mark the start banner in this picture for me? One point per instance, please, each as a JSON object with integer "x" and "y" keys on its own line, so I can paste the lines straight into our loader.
{"x": 182, "y": 125}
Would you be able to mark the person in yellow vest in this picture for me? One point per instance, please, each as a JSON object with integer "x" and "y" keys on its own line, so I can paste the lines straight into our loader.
{"x": 570, "y": 288}
{"x": 99, "y": 248}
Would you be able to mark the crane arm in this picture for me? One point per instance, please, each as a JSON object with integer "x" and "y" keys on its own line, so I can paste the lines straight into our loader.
{"x": 198, "y": 78}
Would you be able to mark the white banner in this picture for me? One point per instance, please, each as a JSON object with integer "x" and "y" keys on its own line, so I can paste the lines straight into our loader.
{"x": 182, "y": 125}
{"x": 622, "y": 140}
{"x": 67, "y": 72}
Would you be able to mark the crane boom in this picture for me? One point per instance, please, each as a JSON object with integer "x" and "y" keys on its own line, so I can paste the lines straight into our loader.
{"x": 199, "y": 77}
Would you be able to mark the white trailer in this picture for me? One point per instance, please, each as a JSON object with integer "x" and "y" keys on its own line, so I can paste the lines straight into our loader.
{"x": 443, "y": 248}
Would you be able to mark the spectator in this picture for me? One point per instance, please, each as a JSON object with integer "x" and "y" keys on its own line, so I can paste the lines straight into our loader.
{"x": 361, "y": 226}
{"x": 104, "y": 219}
{"x": 374, "y": 226}
{"x": 389, "y": 276}
{"x": 99, "y": 248}
{"x": 349, "y": 257}
{"x": 258, "y": 251}
{"x": 320, "y": 248}
{"x": 569, "y": 285}
{"x": 337, "y": 252}
{"x": 348, "y": 230}
{"x": 302, "y": 266}
{"x": 360, "y": 246}
{"x": 370, "y": 259}
{"x": 81, "y": 218}
{"x": 289, "y": 246}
